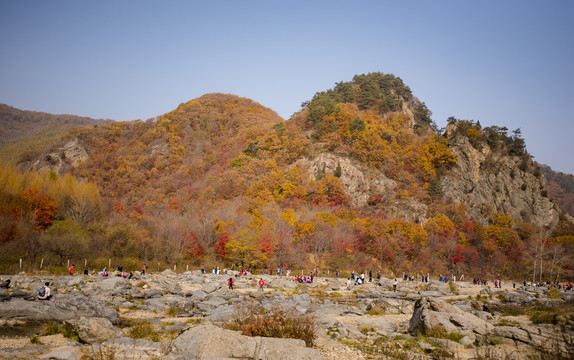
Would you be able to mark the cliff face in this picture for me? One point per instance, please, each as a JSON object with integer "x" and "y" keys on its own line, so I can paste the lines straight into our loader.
{"x": 59, "y": 159}
{"x": 488, "y": 181}
{"x": 360, "y": 183}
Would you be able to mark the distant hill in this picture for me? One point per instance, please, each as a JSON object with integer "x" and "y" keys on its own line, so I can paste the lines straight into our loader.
{"x": 30, "y": 132}
{"x": 560, "y": 188}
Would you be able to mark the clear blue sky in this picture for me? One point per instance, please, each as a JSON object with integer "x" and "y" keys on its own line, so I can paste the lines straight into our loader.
{"x": 505, "y": 63}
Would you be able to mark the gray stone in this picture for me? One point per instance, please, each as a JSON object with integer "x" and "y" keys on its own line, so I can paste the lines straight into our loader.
{"x": 431, "y": 313}
{"x": 152, "y": 293}
{"x": 212, "y": 286}
{"x": 176, "y": 327}
{"x": 385, "y": 327}
{"x": 63, "y": 353}
{"x": 92, "y": 330}
{"x": 127, "y": 348}
{"x": 115, "y": 283}
{"x": 198, "y": 295}
{"x": 431, "y": 294}
{"x": 211, "y": 342}
{"x": 59, "y": 308}
{"x": 76, "y": 281}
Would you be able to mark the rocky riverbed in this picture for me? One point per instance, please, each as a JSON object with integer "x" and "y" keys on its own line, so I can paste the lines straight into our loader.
{"x": 180, "y": 316}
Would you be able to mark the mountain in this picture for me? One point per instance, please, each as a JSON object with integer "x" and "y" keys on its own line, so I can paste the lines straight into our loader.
{"x": 359, "y": 177}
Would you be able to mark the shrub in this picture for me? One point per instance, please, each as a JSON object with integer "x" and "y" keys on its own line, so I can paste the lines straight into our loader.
{"x": 376, "y": 310}
{"x": 495, "y": 341}
{"x": 254, "y": 320}
{"x": 453, "y": 288}
{"x": 506, "y": 322}
{"x": 366, "y": 330}
{"x": 441, "y": 333}
{"x": 34, "y": 340}
{"x": 67, "y": 330}
{"x": 171, "y": 312}
{"x": 143, "y": 329}
{"x": 553, "y": 294}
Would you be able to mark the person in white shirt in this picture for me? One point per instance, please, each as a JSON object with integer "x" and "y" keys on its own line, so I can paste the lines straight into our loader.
{"x": 44, "y": 292}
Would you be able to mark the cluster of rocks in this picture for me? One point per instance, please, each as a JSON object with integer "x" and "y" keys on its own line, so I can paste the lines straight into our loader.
{"x": 192, "y": 308}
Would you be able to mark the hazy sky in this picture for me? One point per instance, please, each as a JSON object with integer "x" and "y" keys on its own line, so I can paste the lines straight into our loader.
{"x": 504, "y": 63}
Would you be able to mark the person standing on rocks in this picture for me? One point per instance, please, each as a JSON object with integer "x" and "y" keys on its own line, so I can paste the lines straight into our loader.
{"x": 44, "y": 292}
{"x": 71, "y": 270}
{"x": 230, "y": 283}
{"x": 349, "y": 284}
{"x": 261, "y": 283}
{"x": 395, "y": 285}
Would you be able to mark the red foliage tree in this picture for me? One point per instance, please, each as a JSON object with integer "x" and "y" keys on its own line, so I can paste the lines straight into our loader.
{"x": 191, "y": 247}
{"x": 221, "y": 243}
{"x": 42, "y": 206}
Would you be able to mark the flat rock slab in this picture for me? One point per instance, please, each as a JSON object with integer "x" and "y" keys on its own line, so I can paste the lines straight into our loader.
{"x": 58, "y": 309}
{"x": 211, "y": 342}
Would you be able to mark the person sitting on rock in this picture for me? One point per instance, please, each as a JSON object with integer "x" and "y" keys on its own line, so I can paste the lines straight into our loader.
{"x": 44, "y": 292}
{"x": 5, "y": 284}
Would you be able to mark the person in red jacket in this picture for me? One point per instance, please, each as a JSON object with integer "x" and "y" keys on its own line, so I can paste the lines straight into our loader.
{"x": 71, "y": 270}
{"x": 230, "y": 283}
{"x": 261, "y": 283}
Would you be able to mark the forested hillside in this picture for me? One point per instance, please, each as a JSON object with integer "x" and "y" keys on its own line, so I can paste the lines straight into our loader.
{"x": 359, "y": 178}
{"x": 27, "y": 133}
{"x": 560, "y": 188}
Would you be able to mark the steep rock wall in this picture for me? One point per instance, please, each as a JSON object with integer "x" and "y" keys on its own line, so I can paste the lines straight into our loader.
{"x": 489, "y": 181}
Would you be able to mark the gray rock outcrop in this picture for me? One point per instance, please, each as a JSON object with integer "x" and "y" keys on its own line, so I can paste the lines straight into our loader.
{"x": 432, "y": 313}
{"x": 212, "y": 342}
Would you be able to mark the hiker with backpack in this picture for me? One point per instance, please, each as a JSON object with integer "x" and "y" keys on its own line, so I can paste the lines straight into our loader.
{"x": 5, "y": 284}
{"x": 44, "y": 292}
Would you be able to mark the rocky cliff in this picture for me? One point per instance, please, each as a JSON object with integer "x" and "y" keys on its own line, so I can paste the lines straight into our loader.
{"x": 488, "y": 181}
{"x": 60, "y": 159}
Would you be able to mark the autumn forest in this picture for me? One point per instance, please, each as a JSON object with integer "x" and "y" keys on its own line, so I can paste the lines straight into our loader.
{"x": 224, "y": 181}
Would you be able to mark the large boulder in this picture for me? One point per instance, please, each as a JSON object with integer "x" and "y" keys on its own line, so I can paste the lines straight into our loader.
{"x": 211, "y": 342}
{"x": 92, "y": 330}
{"x": 115, "y": 283}
{"x": 432, "y": 313}
{"x": 550, "y": 339}
{"x": 59, "y": 309}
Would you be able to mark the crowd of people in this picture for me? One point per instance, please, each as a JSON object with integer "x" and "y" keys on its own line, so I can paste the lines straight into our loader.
{"x": 44, "y": 293}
